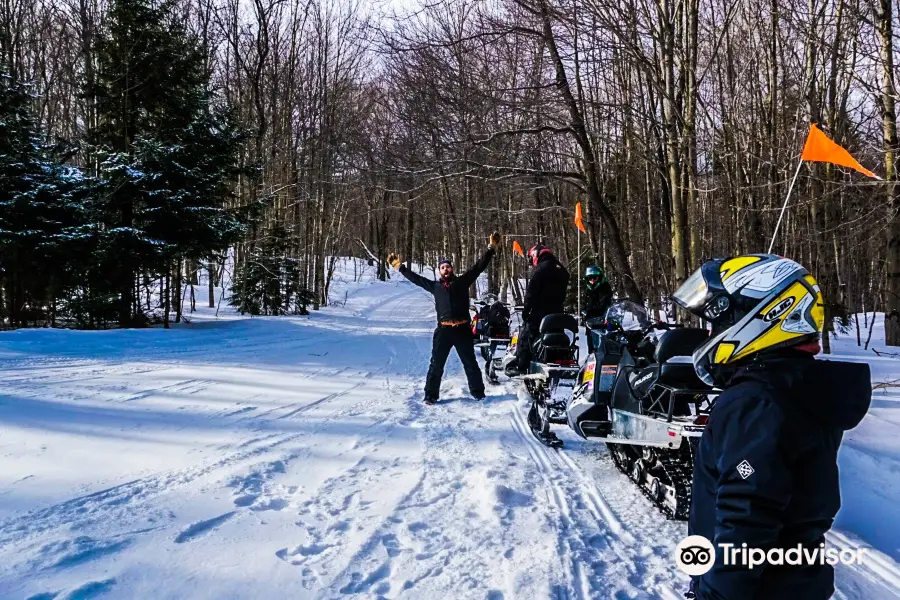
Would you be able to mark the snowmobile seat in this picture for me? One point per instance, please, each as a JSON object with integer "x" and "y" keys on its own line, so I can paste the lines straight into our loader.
{"x": 559, "y": 323}
{"x": 555, "y": 339}
{"x": 678, "y": 372}
{"x": 553, "y": 331}
{"x": 553, "y": 343}
{"x": 657, "y": 385}
{"x": 679, "y": 342}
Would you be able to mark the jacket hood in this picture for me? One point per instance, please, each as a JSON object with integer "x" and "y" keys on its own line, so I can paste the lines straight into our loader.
{"x": 839, "y": 393}
{"x": 835, "y": 392}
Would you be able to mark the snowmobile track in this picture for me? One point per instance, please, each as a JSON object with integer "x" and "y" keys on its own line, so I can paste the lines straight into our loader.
{"x": 589, "y": 529}
{"x": 574, "y": 575}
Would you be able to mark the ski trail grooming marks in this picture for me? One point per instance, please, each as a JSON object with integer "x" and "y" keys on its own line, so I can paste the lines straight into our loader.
{"x": 323, "y": 400}
{"x": 643, "y": 565}
{"x": 587, "y": 536}
{"x": 876, "y": 567}
{"x": 575, "y": 578}
{"x": 601, "y": 509}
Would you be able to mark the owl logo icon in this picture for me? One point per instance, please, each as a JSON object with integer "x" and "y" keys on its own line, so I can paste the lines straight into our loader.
{"x": 695, "y": 555}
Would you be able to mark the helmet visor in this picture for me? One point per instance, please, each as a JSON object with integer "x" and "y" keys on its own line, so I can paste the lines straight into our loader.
{"x": 693, "y": 293}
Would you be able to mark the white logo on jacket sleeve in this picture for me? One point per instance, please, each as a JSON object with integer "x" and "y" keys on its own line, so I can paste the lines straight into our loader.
{"x": 745, "y": 470}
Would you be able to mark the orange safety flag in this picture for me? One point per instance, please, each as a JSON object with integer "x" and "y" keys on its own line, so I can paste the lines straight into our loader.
{"x": 578, "y": 222}
{"x": 518, "y": 249}
{"x": 819, "y": 148}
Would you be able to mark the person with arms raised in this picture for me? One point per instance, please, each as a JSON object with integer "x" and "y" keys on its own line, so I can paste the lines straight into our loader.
{"x": 451, "y": 304}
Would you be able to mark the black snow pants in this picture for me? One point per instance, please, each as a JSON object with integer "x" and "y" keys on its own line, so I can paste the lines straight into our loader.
{"x": 525, "y": 346}
{"x": 445, "y": 338}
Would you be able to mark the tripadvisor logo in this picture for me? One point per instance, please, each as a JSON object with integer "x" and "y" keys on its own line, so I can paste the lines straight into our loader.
{"x": 695, "y": 555}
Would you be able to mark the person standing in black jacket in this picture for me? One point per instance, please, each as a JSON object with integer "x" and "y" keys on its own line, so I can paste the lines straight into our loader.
{"x": 451, "y": 304}
{"x": 545, "y": 295}
{"x": 765, "y": 472}
{"x": 598, "y": 298}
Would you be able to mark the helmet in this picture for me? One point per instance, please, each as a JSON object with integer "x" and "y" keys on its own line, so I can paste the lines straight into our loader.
{"x": 537, "y": 251}
{"x": 756, "y": 303}
{"x": 594, "y": 277}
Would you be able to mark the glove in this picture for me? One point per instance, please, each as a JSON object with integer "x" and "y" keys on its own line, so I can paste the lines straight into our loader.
{"x": 394, "y": 260}
{"x": 495, "y": 240}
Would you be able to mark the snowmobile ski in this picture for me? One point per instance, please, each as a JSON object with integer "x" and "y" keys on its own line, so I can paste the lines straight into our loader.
{"x": 539, "y": 425}
{"x": 550, "y": 440}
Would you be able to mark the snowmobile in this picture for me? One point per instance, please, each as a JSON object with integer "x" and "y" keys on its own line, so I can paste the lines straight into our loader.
{"x": 551, "y": 375}
{"x": 490, "y": 326}
{"x": 639, "y": 394}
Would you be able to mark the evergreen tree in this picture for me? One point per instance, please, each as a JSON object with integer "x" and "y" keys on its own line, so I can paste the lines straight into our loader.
{"x": 166, "y": 154}
{"x": 45, "y": 232}
{"x": 268, "y": 281}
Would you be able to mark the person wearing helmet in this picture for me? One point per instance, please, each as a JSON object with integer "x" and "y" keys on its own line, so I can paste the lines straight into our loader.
{"x": 598, "y": 297}
{"x": 544, "y": 295}
{"x": 765, "y": 472}
{"x": 451, "y": 303}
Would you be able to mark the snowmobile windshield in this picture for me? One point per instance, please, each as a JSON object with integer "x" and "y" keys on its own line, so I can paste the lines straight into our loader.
{"x": 693, "y": 293}
{"x": 628, "y": 315}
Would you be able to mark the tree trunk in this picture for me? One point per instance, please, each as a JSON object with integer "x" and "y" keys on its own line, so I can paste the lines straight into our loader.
{"x": 889, "y": 128}
{"x": 620, "y": 255}
{"x": 212, "y": 287}
{"x": 167, "y": 295}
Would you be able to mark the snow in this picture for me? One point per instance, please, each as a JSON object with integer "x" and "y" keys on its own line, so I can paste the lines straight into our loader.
{"x": 292, "y": 457}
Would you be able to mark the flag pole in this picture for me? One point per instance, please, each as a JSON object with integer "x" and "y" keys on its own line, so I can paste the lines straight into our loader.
{"x": 784, "y": 206}
{"x": 578, "y": 281}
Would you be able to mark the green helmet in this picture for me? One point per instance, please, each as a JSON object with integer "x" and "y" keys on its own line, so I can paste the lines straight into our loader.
{"x": 594, "y": 277}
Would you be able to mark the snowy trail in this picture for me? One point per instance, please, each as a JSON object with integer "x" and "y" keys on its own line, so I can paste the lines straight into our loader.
{"x": 293, "y": 458}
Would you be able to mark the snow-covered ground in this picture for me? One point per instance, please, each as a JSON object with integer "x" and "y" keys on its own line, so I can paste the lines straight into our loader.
{"x": 292, "y": 457}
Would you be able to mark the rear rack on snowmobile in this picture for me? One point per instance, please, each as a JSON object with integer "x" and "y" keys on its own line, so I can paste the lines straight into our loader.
{"x": 663, "y": 400}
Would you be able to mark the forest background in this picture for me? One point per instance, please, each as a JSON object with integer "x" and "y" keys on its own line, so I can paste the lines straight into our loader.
{"x": 146, "y": 145}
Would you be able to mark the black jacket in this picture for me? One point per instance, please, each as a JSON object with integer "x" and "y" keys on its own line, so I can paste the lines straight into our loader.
{"x": 766, "y": 472}
{"x": 546, "y": 292}
{"x": 451, "y": 298}
{"x": 597, "y": 301}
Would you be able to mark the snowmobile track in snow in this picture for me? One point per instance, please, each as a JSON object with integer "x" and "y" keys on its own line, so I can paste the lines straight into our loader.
{"x": 589, "y": 529}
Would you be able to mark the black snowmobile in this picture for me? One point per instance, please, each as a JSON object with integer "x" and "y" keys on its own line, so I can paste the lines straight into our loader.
{"x": 490, "y": 325}
{"x": 551, "y": 375}
{"x": 639, "y": 393}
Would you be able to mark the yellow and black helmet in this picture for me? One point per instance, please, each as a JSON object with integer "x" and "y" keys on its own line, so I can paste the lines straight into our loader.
{"x": 756, "y": 303}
